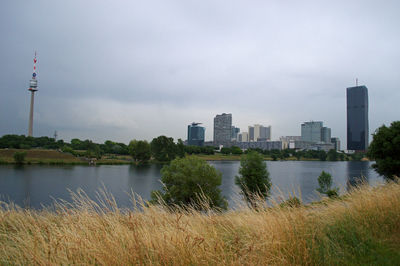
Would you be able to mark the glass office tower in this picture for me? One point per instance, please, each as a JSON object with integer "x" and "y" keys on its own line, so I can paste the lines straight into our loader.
{"x": 196, "y": 134}
{"x": 357, "y": 118}
{"x": 311, "y": 131}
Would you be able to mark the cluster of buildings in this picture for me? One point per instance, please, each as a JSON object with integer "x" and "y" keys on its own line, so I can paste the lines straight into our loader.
{"x": 314, "y": 135}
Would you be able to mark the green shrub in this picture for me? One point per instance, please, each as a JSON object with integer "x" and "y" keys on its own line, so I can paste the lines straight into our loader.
{"x": 190, "y": 181}
{"x": 385, "y": 150}
{"x": 253, "y": 178}
{"x": 19, "y": 157}
{"x": 325, "y": 185}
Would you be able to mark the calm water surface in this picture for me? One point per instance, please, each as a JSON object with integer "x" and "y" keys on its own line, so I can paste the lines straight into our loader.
{"x": 34, "y": 186}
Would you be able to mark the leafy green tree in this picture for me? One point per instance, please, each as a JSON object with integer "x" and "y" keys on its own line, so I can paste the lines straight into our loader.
{"x": 357, "y": 156}
{"x": 114, "y": 148}
{"x": 209, "y": 150}
{"x": 163, "y": 149}
{"x": 76, "y": 144}
{"x": 253, "y": 178}
{"x": 285, "y": 153}
{"x": 190, "y": 181}
{"x": 19, "y": 157}
{"x": 68, "y": 149}
{"x": 180, "y": 148}
{"x": 325, "y": 185}
{"x": 332, "y": 155}
{"x": 298, "y": 155}
{"x": 236, "y": 150}
{"x": 23, "y": 142}
{"x": 322, "y": 155}
{"x": 226, "y": 151}
{"x": 140, "y": 151}
{"x": 191, "y": 149}
{"x": 385, "y": 150}
{"x": 93, "y": 150}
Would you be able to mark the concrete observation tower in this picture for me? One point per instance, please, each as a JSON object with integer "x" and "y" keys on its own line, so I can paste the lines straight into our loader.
{"x": 32, "y": 88}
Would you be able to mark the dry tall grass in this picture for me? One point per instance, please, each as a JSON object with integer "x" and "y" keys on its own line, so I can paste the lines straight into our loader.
{"x": 363, "y": 227}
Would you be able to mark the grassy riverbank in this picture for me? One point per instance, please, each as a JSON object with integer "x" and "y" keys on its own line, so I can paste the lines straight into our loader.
{"x": 54, "y": 157}
{"x": 361, "y": 228}
{"x": 39, "y": 156}
{"x": 231, "y": 157}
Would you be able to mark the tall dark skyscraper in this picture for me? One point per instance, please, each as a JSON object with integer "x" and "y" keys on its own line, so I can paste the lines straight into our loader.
{"x": 196, "y": 134}
{"x": 357, "y": 118}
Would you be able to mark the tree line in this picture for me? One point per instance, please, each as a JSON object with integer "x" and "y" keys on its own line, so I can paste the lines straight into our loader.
{"x": 162, "y": 149}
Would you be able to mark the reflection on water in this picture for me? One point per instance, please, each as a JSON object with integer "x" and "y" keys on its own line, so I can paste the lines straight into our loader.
{"x": 228, "y": 188}
{"x": 358, "y": 174}
{"x": 142, "y": 179}
{"x": 35, "y": 185}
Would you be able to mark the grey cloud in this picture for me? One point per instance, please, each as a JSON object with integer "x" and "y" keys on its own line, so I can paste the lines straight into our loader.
{"x": 272, "y": 62}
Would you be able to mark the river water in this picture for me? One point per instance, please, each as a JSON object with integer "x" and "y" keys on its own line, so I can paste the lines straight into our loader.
{"x": 36, "y": 186}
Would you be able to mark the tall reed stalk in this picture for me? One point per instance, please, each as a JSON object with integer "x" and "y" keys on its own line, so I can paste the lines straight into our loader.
{"x": 360, "y": 228}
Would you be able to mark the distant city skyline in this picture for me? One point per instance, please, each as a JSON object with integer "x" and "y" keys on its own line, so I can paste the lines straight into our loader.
{"x": 136, "y": 70}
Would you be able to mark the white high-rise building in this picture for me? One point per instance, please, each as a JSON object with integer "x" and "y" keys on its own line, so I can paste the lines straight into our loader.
{"x": 222, "y": 129}
{"x": 243, "y": 137}
{"x": 259, "y": 133}
{"x": 265, "y": 133}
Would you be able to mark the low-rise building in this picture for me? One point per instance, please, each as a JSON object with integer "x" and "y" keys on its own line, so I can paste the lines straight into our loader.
{"x": 243, "y": 137}
{"x": 336, "y": 143}
{"x": 263, "y": 145}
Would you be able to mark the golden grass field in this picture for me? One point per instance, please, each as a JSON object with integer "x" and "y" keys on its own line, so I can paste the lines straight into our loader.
{"x": 362, "y": 228}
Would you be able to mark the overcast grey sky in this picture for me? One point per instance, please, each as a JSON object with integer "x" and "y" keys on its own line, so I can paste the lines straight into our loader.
{"x": 121, "y": 70}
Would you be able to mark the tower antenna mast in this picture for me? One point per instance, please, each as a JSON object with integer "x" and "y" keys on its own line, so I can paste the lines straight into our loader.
{"x": 32, "y": 88}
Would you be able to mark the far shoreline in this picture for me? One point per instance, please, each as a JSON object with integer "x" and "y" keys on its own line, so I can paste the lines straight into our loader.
{"x": 55, "y": 157}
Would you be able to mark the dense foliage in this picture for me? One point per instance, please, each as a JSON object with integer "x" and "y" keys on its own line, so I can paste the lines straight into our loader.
{"x": 208, "y": 150}
{"x": 140, "y": 151}
{"x": 385, "y": 150}
{"x": 23, "y": 142}
{"x": 332, "y": 155}
{"x": 163, "y": 149}
{"x": 190, "y": 181}
{"x": 253, "y": 178}
{"x": 77, "y": 147}
{"x": 19, "y": 157}
{"x": 232, "y": 150}
{"x": 302, "y": 154}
